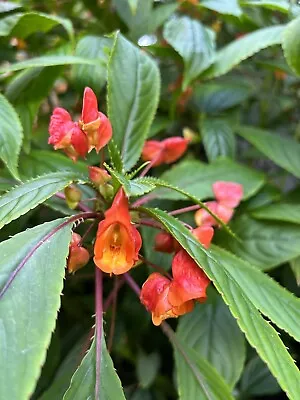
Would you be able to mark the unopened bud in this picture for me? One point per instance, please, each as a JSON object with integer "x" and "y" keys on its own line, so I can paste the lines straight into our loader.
{"x": 78, "y": 255}
{"x": 190, "y": 135}
{"x": 107, "y": 191}
{"x": 99, "y": 176}
{"x": 164, "y": 242}
{"x": 73, "y": 196}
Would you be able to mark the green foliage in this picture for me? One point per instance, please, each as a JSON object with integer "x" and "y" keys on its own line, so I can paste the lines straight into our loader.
{"x": 31, "y": 285}
{"x": 133, "y": 92}
{"x": 291, "y": 44}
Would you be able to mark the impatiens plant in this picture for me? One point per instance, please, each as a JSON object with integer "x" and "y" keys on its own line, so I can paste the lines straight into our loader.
{"x": 149, "y": 200}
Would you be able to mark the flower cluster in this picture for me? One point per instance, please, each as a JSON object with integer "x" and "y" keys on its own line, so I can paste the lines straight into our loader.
{"x": 93, "y": 130}
{"x": 118, "y": 242}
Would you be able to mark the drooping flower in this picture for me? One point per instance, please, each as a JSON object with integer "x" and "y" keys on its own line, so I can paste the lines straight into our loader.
{"x": 203, "y": 217}
{"x": 189, "y": 280}
{"x": 67, "y": 135}
{"x": 164, "y": 152}
{"x": 154, "y": 296}
{"x": 164, "y": 242}
{"x": 78, "y": 255}
{"x": 118, "y": 241}
{"x": 93, "y": 122}
{"x": 204, "y": 234}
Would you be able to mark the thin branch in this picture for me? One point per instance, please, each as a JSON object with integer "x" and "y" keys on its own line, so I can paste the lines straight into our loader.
{"x": 110, "y": 297}
{"x": 156, "y": 267}
{"x": 113, "y": 316}
{"x": 150, "y": 165}
{"x": 99, "y": 325}
{"x": 86, "y": 233}
{"x": 131, "y": 282}
{"x": 150, "y": 222}
{"x": 80, "y": 205}
{"x": 40, "y": 243}
{"x": 144, "y": 200}
{"x": 184, "y": 210}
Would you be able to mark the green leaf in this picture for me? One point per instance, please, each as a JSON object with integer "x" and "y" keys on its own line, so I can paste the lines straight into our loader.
{"x": 291, "y": 44}
{"x": 48, "y": 61}
{"x": 91, "y": 47}
{"x": 211, "y": 97}
{"x": 233, "y": 284}
{"x": 11, "y": 135}
{"x": 147, "y": 368}
{"x": 194, "y": 42}
{"x": 197, "y": 178}
{"x": 133, "y": 4}
{"x": 218, "y": 138}
{"x": 281, "y": 150}
{"x": 295, "y": 266}
{"x": 196, "y": 378}
{"x": 32, "y": 270}
{"x": 115, "y": 156}
{"x": 278, "y": 5}
{"x": 8, "y": 6}
{"x": 28, "y": 195}
{"x": 230, "y": 7}
{"x": 22, "y": 25}
{"x": 241, "y": 49}
{"x": 26, "y": 92}
{"x": 213, "y": 333}
{"x": 133, "y": 93}
{"x": 257, "y": 380}
{"x": 287, "y": 212}
{"x": 262, "y": 243}
{"x": 83, "y": 381}
{"x": 40, "y": 162}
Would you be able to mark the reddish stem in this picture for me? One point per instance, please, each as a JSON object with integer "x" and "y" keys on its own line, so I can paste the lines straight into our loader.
{"x": 80, "y": 205}
{"x": 40, "y": 243}
{"x": 149, "y": 222}
{"x": 184, "y": 210}
{"x": 86, "y": 233}
{"x": 110, "y": 297}
{"x": 144, "y": 200}
{"x": 150, "y": 165}
{"x": 99, "y": 324}
{"x": 131, "y": 282}
{"x": 113, "y": 316}
{"x": 156, "y": 267}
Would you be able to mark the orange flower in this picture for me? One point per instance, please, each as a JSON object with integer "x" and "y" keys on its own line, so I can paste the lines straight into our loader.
{"x": 94, "y": 123}
{"x": 66, "y": 134}
{"x": 118, "y": 242}
{"x": 164, "y": 152}
{"x": 202, "y": 217}
{"x": 154, "y": 296}
{"x": 189, "y": 281}
{"x": 228, "y": 194}
{"x": 78, "y": 255}
{"x": 204, "y": 234}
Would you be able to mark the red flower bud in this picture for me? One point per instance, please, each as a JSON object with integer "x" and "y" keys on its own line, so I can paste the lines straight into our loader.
{"x": 94, "y": 123}
{"x": 164, "y": 242}
{"x": 118, "y": 242}
{"x": 66, "y": 134}
{"x": 154, "y": 296}
{"x": 98, "y": 175}
{"x": 78, "y": 255}
{"x": 228, "y": 194}
{"x": 165, "y": 152}
{"x": 189, "y": 282}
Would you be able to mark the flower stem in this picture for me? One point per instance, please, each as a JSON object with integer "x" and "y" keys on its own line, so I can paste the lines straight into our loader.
{"x": 149, "y": 222}
{"x": 143, "y": 200}
{"x": 113, "y": 316}
{"x": 80, "y": 205}
{"x": 131, "y": 282}
{"x": 156, "y": 267}
{"x": 184, "y": 210}
{"x": 99, "y": 325}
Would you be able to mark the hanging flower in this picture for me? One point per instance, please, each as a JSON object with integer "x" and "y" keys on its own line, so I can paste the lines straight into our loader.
{"x": 154, "y": 296}
{"x": 118, "y": 242}
{"x": 164, "y": 152}
{"x": 94, "y": 123}
{"x": 228, "y": 194}
{"x": 189, "y": 280}
{"x": 67, "y": 135}
{"x": 164, "y": 242}
{"x": 78, "y": 255}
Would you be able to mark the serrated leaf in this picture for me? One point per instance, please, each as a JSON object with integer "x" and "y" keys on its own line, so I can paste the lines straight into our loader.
{"x": 213, "y": 333}
{"x": 241, "y": 49}
{"x": 283, "y": 151}
{"x": 218, "y": 138}
{"x": 133, "y": 92}
{"x": 280, "y": 5}
{"x": 291, "y": 44}
{"x": 197, "y": 178}
{"x": 24, "y": 24}
{"x": 11, "y": 135}
{"x": 115, "y": 156}
{"x": 83, "y": 381}
{"x": 230, "y": 7}
{"x": 264, "y": 244}
{"x": 91, "y": 47}
{"x": 295, "y": 267}
{"x": 36, "y": 279}
{"x": 286, "y": 212}
{"x": 28, "y": 195}
{"x": 48, "y": 61}
{"x": 194, "y": 42}
{"x": 233, "y": 285}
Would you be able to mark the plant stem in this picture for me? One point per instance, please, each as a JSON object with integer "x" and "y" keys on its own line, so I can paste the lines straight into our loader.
{"x": 86, "y": 233}
{"x": 80, "y": 205}
{"x": 149, "y": 222}
{"x": 113, "y": 316}
{"x": 151, "y": 164}
{"x": 157, "y": 267}
{"x": 110, "y": 297}
{"x": 99, "y": 325}
{"x": 143, "y": 200}
{"x": 184, "y": 210}
{"x": 131, "y": 282}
